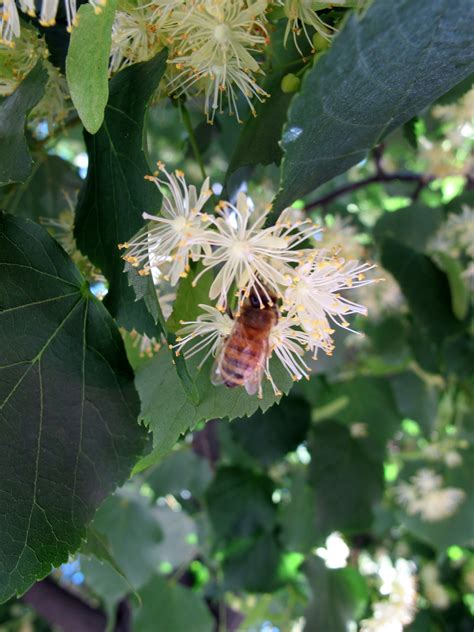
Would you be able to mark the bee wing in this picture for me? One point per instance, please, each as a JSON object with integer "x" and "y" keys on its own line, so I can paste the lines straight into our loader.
{"x": 253, "y": 379}
{"x": 216, "y": 375}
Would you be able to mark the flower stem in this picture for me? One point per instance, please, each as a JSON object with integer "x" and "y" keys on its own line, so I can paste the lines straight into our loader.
{"x": 192, "y": 138}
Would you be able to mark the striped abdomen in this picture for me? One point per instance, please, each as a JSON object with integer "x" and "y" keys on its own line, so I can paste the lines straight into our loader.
{"x": 243, "y": 355}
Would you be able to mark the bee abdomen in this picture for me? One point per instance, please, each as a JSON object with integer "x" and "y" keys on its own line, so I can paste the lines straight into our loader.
{"x": 232, "y": 372}
{"x": 234, "y": 367}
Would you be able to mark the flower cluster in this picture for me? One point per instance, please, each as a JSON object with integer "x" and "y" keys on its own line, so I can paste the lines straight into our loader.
{"x": 215, "y": 46}
{"x": 426, "y": 496}
{"x": 248, "y": 257}
{"x": 17, "y": 61}
{"x": 212, "y": 43}
{"x": 456, "y": 238}
{"x": 398, "y": 609}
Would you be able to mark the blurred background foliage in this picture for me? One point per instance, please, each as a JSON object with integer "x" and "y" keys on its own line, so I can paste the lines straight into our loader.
{"x": 308, "y": 516}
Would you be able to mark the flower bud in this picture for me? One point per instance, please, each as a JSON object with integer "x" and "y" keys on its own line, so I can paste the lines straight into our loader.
{"x": 320, "y": 43}
{"x": 290, "y": 83}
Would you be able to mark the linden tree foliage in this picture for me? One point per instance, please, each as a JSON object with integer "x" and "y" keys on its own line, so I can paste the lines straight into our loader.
{"x": 67, "y": 407}
{"x": 115, "y": 180}
{"x": 167, "y": 169}
{"x": 375, "y": 78}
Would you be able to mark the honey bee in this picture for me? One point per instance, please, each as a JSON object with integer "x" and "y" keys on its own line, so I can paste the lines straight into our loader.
{"x": 244, "y": 354}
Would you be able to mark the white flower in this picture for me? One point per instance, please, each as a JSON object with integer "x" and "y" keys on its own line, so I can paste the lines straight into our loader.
{"x": 440, "y": 504}
{"x": 213, "y": 45}
{"x": 434, "y": 591}
{"x": 177, "y": 235}
{"x": 456, "y": 236}
{"x": 381, "y": 298}
{"x": 289, "y": 345}
{"x": 452, "y": 458}
{"x": 301, "y": 14}
{"x": 146, "y": 346}
{"x": 135, "y": 36}
{"x": 359, "y": 430}
{"x": 251, "y": 256}
{"x": 17, "y": 60}
{"x": 426, "y": 496}
{"x": 9, "y": 22}
{"x": 340, "y": 238}
{"x": 335, "y": 553}
{"x": 212, "y": 327}
{"x": 426, "y": 480}
{"x": 315, "y": 294}
{"x": 392, "y": 614}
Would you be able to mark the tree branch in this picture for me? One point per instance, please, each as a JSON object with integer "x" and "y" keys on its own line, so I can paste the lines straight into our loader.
{"x": 60, "y": 607}
{"x": 420, "y": 179}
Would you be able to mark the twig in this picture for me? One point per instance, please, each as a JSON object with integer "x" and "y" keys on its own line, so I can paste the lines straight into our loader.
{"x": 38, "y": 144}
{"x": 420, "y": 179}
{"x": 192, "y": 138}
{"x": 60, "y": 607}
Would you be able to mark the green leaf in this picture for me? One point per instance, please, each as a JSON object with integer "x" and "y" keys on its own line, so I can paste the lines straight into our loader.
{"x": 181, "y": 469}
{"x": 115, "y": 196}
{"x": 46, "y": 192}
{"x": 87, "y": 63}
{"x": 134, "y": 534}
{"x": 458, "y": 354}
{"x": 410, "y": 132}
{"x": 378, "y": 74}
{"x": 233, "y": 489}
{"x": 188, "y": 298}
{"x": 97, "y": 544}
{"x": 254, "y": 566}
{"x": 68, "y": 407}
{"x": 142, "y": 536}
{"x": 416, "y": 399}
{"x": 105, "y": 583}
{"x": 412, "y": 226}
{"x": 460, "y": 295}
{"x": 268, "y": 437}
{"x": 297, "y": 516}
{"x": 366, "y": 400}
{"x": 169, "y": 607}
{"x": 340, "y": 597}
{"x": 347, "y": 480}
{"x": 178, "y": 546}
{"x": 15, "y": 158}
{"x": 456, "y": 93}
{"x": 144, "y": 288}
{"x": 425, "y": 287}
{"x": 457, "y": 529}
{"x": 169, "y": 412}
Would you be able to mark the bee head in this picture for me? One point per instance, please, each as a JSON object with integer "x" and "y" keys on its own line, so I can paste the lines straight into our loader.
{"x": 261, "y": 300}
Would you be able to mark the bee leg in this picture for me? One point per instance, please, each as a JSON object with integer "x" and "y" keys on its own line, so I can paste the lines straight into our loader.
{"x": 229, "y": 312}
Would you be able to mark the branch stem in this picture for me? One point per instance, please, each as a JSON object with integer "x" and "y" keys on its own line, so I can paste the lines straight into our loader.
{"x": 420, "y": 180}
{"x": 192, "y": 137}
